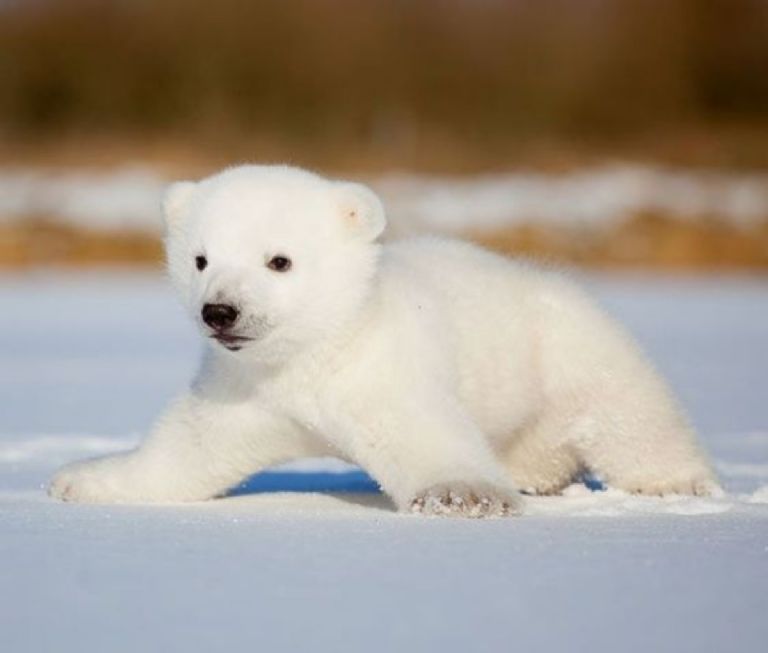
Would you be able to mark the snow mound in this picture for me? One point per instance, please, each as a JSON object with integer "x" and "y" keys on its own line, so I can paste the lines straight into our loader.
{"x": 129, "y": 198}
{"x": 593, "y": 197}
{"x": 122, "y": 199}
{"x": 47, "y": 449}
{"x": 760, "y": 495}
{"x": 296, "y": 487}
{"x": 579, "y": 501}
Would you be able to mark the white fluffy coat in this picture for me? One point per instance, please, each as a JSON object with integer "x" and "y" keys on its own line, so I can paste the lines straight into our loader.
{"x": 454, "y": 376}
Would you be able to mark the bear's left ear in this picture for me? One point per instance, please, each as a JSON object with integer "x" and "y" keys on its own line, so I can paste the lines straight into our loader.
{"x": 361, "y": 210}
{"x": 176, "y": 201}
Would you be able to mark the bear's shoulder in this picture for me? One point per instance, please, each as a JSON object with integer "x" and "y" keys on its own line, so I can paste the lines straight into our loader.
{"x": 446, "y": 257}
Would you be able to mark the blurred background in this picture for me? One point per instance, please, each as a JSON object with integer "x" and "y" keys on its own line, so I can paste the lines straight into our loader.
{"x": 625, "y": 139}
{"x": 621, "y": 133}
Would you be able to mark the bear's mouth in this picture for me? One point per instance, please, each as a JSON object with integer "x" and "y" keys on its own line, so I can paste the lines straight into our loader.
{"x": 229, "y": 341}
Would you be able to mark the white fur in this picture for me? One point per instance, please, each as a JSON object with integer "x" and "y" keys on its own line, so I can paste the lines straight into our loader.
{"x": 452, "y": 375}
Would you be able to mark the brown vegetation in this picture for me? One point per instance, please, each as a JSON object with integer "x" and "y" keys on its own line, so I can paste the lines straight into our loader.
{"x": 647, "y": 241}
{"x": 453, "y": 86}
{"x": 440, "y": 84}
{"x": 44, "y": 243}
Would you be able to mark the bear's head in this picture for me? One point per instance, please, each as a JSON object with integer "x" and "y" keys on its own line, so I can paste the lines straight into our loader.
{"x": 271, "y": 258}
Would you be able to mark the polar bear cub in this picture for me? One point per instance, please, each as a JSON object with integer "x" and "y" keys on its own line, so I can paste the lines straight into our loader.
{"x": 455, "y": 377}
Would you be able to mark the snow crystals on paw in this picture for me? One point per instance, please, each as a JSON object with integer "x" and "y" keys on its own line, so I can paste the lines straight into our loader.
{"x": 463, "y": 500}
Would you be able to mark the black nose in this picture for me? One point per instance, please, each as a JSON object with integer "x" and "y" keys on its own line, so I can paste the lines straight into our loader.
{"x": 219, "y": 316}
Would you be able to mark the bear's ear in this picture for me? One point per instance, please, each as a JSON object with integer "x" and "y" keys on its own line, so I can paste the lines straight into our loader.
{"x": 176, "y": 201}
{"x": 361, "y": 210}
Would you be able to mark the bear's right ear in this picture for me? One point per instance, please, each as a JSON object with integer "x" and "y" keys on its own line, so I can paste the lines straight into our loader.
{"x": 176, "y": 202}
{"x": 361, "y": 209}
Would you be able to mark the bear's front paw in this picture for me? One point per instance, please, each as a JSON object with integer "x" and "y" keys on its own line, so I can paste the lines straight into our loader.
{"x": 463, "y": 499}
{"x": 89, "y": 482}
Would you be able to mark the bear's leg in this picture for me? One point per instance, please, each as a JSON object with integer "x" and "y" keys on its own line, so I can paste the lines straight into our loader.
{"x": 619, "y": 414}
{"x": 643, "y": 448}
{"x": 428, "y": 456}
{"x": 540, "y": 458}
{"x": 197, "y": 451}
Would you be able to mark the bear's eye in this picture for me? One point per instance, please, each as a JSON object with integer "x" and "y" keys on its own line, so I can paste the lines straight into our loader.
{"x": 201, "y": 262}
{"x": 279, "y": 264}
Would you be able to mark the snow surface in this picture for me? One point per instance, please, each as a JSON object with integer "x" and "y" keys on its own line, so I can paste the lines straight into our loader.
{"x": 86, "y": 362}
{"x": 129, "y": 197}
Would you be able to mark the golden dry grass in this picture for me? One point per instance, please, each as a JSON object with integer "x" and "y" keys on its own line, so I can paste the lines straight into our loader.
{"x": 427, "y": 84}
{"x": 647, "y": 241}
{"x": 39, "y": 242}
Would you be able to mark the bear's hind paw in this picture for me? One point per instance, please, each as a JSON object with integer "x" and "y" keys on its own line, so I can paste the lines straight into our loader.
{"x": 694, "y": 486}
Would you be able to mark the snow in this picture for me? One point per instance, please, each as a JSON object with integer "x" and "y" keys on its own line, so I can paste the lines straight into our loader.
{"x": 124, "y": 198}
{"x": 591, "y": 198}
{"x": 87, "y": 361}
{"x": 759, "y": 496}
{"x": 596, "y": 197}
